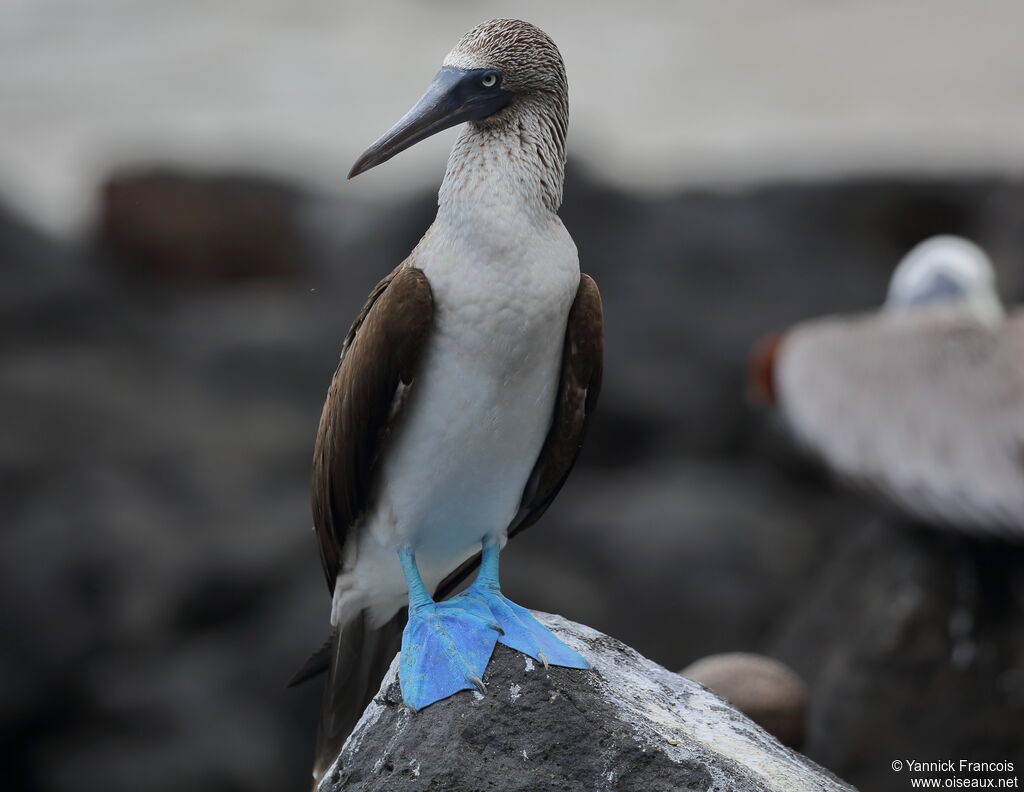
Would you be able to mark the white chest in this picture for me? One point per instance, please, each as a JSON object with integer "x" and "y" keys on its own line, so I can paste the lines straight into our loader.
{"x": 501, "y": 294}
{"x": 483, "y": 398}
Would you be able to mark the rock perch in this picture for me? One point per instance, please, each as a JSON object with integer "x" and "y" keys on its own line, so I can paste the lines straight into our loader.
{"x": 627, "y": 725}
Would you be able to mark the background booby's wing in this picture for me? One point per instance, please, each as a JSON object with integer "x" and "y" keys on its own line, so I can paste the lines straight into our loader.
{"x": 378, "y": 364}
{"x": 927, "y": 409}
{"x": 578, "y": 391}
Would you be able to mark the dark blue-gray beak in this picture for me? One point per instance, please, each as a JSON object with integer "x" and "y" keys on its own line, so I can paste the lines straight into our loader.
{"x": 455, "y": 96}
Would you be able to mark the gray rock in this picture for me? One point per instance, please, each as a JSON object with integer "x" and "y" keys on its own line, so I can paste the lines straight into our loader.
{"x": 768, "y": 692}
{"x": 628, "y": 725}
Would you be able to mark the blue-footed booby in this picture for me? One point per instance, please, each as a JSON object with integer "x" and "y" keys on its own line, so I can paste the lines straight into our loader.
{"x": 463, "y": 392}
{"x": 921, "y": 402}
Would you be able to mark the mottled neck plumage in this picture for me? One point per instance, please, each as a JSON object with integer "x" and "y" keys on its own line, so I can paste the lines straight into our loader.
{"x": 520, "y": 159}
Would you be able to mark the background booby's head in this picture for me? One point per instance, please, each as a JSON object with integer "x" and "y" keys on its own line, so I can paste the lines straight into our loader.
{"x": 946, "y": 271}
{"x": 496, "y": 65}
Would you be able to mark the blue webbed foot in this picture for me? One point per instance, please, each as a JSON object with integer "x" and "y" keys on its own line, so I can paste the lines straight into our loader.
{"x": 521, "y": 630}
{"x": 445, "y": 646}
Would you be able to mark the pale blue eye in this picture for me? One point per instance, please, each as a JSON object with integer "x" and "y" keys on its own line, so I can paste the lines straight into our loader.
{"x": 489, "y": 80}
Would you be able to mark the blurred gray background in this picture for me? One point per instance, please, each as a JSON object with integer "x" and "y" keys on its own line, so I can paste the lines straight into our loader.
{"x": 180, "y": 257}
{"x": 663, "y": 93}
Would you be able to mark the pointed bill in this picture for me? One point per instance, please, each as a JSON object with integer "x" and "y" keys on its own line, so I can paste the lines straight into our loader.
{"x": 454, "y": 96}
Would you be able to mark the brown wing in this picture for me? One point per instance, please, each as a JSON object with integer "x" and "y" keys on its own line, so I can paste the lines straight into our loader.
{"x": 578, "y": 390}
{"x": 378, "y": 363}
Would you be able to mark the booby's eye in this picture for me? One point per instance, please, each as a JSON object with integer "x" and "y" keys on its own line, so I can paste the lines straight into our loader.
{"x": 489, "y": 80}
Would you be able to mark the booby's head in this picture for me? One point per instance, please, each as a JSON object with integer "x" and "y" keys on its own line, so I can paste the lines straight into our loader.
{"x": 947, "y": 271}
{"x": 496, "y": 69}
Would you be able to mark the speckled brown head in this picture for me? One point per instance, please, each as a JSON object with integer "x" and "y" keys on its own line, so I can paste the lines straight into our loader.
{"x": 498, "y": 71}
{"x": 527, "y": 60}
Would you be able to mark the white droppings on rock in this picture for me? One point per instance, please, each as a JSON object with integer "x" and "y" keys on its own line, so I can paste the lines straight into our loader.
{"x": 478, "y": 695}
{"x": 656, "y": 702}
{"x": 529, "y": 663}
{"x": 513, "y": 692}
{"x": 373, "y": 710}
{"x": 523, "y": 752}
{"x": 415, "y": 765}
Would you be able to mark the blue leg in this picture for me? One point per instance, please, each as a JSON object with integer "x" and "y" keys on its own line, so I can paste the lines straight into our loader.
{"x": 446, "y": 645}
{"x": 520, "y": 630}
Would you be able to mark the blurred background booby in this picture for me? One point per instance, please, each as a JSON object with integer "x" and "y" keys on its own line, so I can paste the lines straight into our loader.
{"x": 920, "y": 402}
{"x": 179, "y": 254}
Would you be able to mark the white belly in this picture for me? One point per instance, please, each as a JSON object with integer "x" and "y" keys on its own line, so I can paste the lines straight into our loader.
{"x": 480, "y": 408}
{"x": 458, "y": 469}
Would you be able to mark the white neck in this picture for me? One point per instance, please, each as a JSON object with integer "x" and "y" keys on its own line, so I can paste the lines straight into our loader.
{"x": 519, "y": 162}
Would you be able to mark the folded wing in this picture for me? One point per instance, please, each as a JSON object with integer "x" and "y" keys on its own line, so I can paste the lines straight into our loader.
{"x": 378, "y": 366}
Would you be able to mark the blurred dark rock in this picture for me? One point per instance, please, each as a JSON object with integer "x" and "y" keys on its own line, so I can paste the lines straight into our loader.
{"x": 765, "y": 690}
{"x": 627, "y": 725}
{"x": 159, "y": 576}
{"x": 183, "y": 229}
{"x": 911, "y": 645}
{"x": 683, "y": 558}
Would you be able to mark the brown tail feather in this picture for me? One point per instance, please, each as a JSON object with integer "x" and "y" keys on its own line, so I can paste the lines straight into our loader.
{"x": 317, "y": 663}
{"x": 359, "y": 659}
